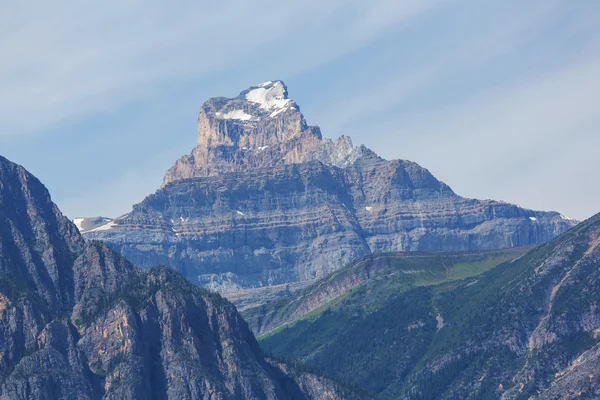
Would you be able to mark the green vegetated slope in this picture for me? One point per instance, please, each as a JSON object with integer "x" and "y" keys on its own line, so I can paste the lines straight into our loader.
{"x": 373, "y": 280}
{"x": 527, "y": 328}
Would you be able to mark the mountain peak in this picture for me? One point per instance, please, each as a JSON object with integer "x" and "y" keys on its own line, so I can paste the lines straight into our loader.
{"x": 262, "y": 115}
{"x": 260, "y": 128}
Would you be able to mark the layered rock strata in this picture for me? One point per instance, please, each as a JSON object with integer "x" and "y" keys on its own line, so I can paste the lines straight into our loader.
{"x": 264, "y": 200}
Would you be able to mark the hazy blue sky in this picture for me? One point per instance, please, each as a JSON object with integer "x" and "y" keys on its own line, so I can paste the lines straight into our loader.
{"x": 499, "y": 99}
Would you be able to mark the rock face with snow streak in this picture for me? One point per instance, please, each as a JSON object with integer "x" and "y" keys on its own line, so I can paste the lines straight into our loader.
{"x": 264, "y": 199}
{"x": 88, "y": 224}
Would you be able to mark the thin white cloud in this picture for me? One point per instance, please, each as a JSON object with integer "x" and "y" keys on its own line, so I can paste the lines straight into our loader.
{"x": 528, "y": 137}
{"x": 527, "y": 140}
{"x": 66, "y": 59}
{"x": 523, "y": 144}
{"x": 114, "y": 194}
{"x": 468, "y": 48}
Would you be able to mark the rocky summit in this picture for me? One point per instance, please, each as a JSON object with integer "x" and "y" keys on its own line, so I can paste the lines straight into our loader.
{"x": 261, "y": 128}
{"x": 265, "y": 200}
{"x": 78, "y": 321}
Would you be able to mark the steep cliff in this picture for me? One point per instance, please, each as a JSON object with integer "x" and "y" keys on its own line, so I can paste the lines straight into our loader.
{"x": 265, "y": 200}
{"x": 79, "y": 321}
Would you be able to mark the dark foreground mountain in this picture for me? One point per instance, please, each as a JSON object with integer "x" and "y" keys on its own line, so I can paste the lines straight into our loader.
{"x": 78, "y": 321}
{"x": 528, "y": 328}
{"x": 264, "y": 200}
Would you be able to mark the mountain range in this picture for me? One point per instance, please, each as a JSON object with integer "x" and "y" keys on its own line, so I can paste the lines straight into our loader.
{"x": 78, "y": 321}
{"x": 264, "y": 201}
{"x": 361, "y": 277}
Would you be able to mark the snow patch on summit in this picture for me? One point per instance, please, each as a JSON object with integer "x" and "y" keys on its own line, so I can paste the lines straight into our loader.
{"x": 235, "y": 114}
{"x": 269, "y": 95}
{"x": 87, "y": 224}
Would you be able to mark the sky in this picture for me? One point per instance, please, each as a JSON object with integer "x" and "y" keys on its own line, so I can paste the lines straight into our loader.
{"x": 499, "y": 99}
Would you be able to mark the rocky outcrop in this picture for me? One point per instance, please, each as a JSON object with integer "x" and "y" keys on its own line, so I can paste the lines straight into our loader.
{"x": 321, "y": 388}
{"x": 265, "y": 200}
{"x": 578, "y": 380}
{"x": 79, "y": 321}
{"x": 254, "y": 297}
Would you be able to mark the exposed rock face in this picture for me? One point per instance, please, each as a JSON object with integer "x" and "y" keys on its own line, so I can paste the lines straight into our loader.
{"x": 254, "y": 297}
{"x": 79, "y": 321}
{"x": 578, "y": 380}
{"x": 320, "y": 388}
{"x": 264, "y": 200}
